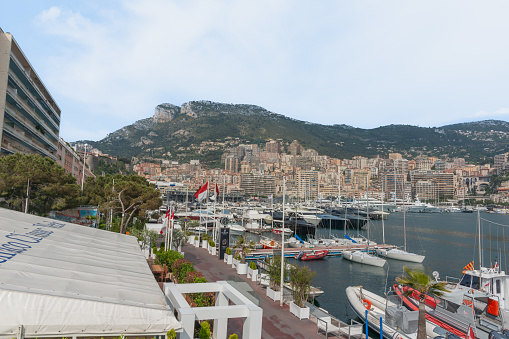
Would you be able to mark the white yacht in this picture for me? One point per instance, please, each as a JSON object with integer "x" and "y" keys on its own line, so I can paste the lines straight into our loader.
{"x": 364, "y": 258}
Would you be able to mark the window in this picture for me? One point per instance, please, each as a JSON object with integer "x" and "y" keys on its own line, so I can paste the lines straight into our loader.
{"x": 497, "y": 282}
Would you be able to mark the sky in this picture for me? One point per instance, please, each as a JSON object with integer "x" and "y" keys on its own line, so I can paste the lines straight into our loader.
{"x": 360, "y": 63}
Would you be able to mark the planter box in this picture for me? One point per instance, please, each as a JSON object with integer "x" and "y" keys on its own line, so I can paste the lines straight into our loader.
{"x": 229, "y": 258}
{"x": 254, "y": 275}
{"x": 213, "y": 250}
{"x": 190, "y": 239}
{"x": 301, "y": 313}
{"x": 196, "y": 243}
{"x": 249, "y": 272}
{"x": 235, "y": 262}
{"x": 242, "y": 268}
{"x": 274, "y": 295}
{"x": 205, "y": 244}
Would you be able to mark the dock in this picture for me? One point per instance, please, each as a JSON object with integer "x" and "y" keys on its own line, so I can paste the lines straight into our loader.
{"x": 291, "y": 252}
{"x": 277, "y": 322}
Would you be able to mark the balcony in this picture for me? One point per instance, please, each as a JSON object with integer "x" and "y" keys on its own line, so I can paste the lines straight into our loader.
{"x": 25, "y": 124}
{"x": 20, "y": 136}
{"x": 24, "y": 81}
{"x": 31, "y": 111}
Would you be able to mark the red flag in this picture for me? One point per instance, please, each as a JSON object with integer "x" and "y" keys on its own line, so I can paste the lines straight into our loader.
{"x": 202, "y": 192}
{"x": 217, "y": 190}
{"x": 173, "y": 213}
{"x": 167, "y": 215}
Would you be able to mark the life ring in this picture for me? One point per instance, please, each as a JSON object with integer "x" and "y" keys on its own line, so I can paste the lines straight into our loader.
{"x": 366, "y": 304}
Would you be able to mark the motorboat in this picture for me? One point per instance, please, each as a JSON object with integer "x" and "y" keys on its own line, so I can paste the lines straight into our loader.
{"x": 477, "y": 310}
{"x": 295, "y": 242}
{"x": 313, "y": 255}
{"x": 400, "y": 254}
{"x": 269, "y": 243}
{"x": 278, "y": 230}
{"x": 396, "y": 320}
{"x": 364, "y": 258}
{"x": 236, "y": 229}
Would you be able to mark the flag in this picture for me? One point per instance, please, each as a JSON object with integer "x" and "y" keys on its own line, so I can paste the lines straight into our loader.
{"x": 202, "y": 192}
{"x": 470, "y": 333}
{"x": 470, "y": 266}
{"x": 216, "y": 194}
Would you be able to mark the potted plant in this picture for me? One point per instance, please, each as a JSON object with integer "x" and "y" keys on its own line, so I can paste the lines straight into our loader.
{"x": 300, "y": 282}
{"x": 228, "y": 256}
{"x": 252, "y": 271}
{"x": 205, "y": 241}
{"x": 244, "y": 248}
{"x": 212, "y": 247}
{"x": 236, "y": 260}
{"x": 274, "y": 272}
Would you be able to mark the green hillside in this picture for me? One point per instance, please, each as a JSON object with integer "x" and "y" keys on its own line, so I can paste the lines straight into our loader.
{"x": 215, "y": 122}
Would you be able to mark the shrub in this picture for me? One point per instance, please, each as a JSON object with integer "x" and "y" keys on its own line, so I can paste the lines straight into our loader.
{"x": 195, "y": 237}
{"x": 233, "y": 336}
{"x": 194, "y": 277}
{"x": 181, "y": 267}
{"x": 205, "y": 330}
{"x": 252, "y": 265}
{"x": 228, "y": 251}
{"x": 168, "y": 258}
{"x": 212, "y": 243}
{"x": 171, "y": 334}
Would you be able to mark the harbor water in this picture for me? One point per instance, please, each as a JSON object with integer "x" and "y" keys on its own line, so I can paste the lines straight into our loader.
{"x": 449, "y": 241}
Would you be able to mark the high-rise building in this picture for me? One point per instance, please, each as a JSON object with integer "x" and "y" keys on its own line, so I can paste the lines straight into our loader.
{"x": 307, "y": 184}
{"x": 29, "y": 117}
{"x": 295, "y": 148}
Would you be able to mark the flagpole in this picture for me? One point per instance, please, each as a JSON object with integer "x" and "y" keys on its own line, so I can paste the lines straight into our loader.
{"x": 172, "y": 221}
{"x": 214, "y": 231}
{"x": 283, "y": 245}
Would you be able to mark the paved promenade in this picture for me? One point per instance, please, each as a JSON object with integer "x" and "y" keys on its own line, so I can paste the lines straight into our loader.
{"x": 278, "y": 322}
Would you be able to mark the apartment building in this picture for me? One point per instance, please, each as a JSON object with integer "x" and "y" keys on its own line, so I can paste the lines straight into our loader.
{"x": 444, "y": 183}
{"x": 257, "y": 184}
{"x": 72, "y": 162}
{"x": 307, "y": 184}
{"x": 29, "y": 117}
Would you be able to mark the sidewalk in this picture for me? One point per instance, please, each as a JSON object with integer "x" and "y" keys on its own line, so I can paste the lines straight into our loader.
{"x": 278, "y": 322}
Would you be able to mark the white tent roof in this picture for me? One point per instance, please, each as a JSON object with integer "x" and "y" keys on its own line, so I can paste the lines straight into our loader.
{"x": 58, "y": 278}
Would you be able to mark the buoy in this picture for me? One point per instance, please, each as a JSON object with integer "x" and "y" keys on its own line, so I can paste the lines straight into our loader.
{"x": 366, "y": 304}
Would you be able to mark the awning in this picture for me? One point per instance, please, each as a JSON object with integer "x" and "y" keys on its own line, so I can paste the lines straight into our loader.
{"x": 62, "y": 279}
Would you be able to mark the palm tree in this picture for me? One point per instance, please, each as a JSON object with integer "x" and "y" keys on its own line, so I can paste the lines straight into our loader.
{"x": 425, "y": 285}
{"x": 244, "y": 247}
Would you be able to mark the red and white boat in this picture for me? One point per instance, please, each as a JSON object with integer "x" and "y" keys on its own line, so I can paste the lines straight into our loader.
{"x": 280, "y": 230}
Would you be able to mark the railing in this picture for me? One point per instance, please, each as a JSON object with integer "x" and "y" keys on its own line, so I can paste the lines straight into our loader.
{"x": 20, "y": 83}
{"x": 28, "y": 124}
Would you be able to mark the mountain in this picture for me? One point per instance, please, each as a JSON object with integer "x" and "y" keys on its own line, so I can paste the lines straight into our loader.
{"x": 203, "y": 129}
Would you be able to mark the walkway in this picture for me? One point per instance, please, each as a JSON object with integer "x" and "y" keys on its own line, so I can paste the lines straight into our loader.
{"x": 278, "y": 322}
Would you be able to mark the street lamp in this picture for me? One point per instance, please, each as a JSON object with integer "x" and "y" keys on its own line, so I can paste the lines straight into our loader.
{"x": 84, "y": 164}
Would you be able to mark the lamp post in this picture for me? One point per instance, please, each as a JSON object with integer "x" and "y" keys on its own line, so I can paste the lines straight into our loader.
{"x": 84, "y": 165}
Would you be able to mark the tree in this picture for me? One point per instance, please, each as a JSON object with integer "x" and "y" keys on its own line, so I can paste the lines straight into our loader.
{"x": 177, "y": 239}
{"x": 274, "y": 272}
{"x": 424, "y": 285}
{"x": 37, "y": 182}
{"x": 127, "y": 195}
{"x": 244, "y": 247}
{"x": 300, "y": 281}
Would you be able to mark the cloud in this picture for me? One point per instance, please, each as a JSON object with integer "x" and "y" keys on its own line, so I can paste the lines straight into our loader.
{"x": 497, "y": 113}
{"x": 364, "y": 64}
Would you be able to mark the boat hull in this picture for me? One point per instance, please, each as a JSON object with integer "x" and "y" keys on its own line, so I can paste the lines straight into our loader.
{"x": 364, "y": 258}
{"x": 400, "y": 255}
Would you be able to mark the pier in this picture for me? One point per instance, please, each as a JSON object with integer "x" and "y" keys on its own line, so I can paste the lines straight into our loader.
{"x": 291, "y": 252}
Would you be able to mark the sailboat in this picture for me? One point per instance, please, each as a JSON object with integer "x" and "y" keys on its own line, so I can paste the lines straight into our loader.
{"x": 364, "y": 257}
{"x": 400, "y": 254}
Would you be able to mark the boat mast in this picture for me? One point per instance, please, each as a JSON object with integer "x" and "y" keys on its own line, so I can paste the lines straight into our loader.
{"x": 367, "y": 208}
{"x": 283, "y": 246}
{"x": 383, "y": 225}
{"x": 479, "y": 234}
